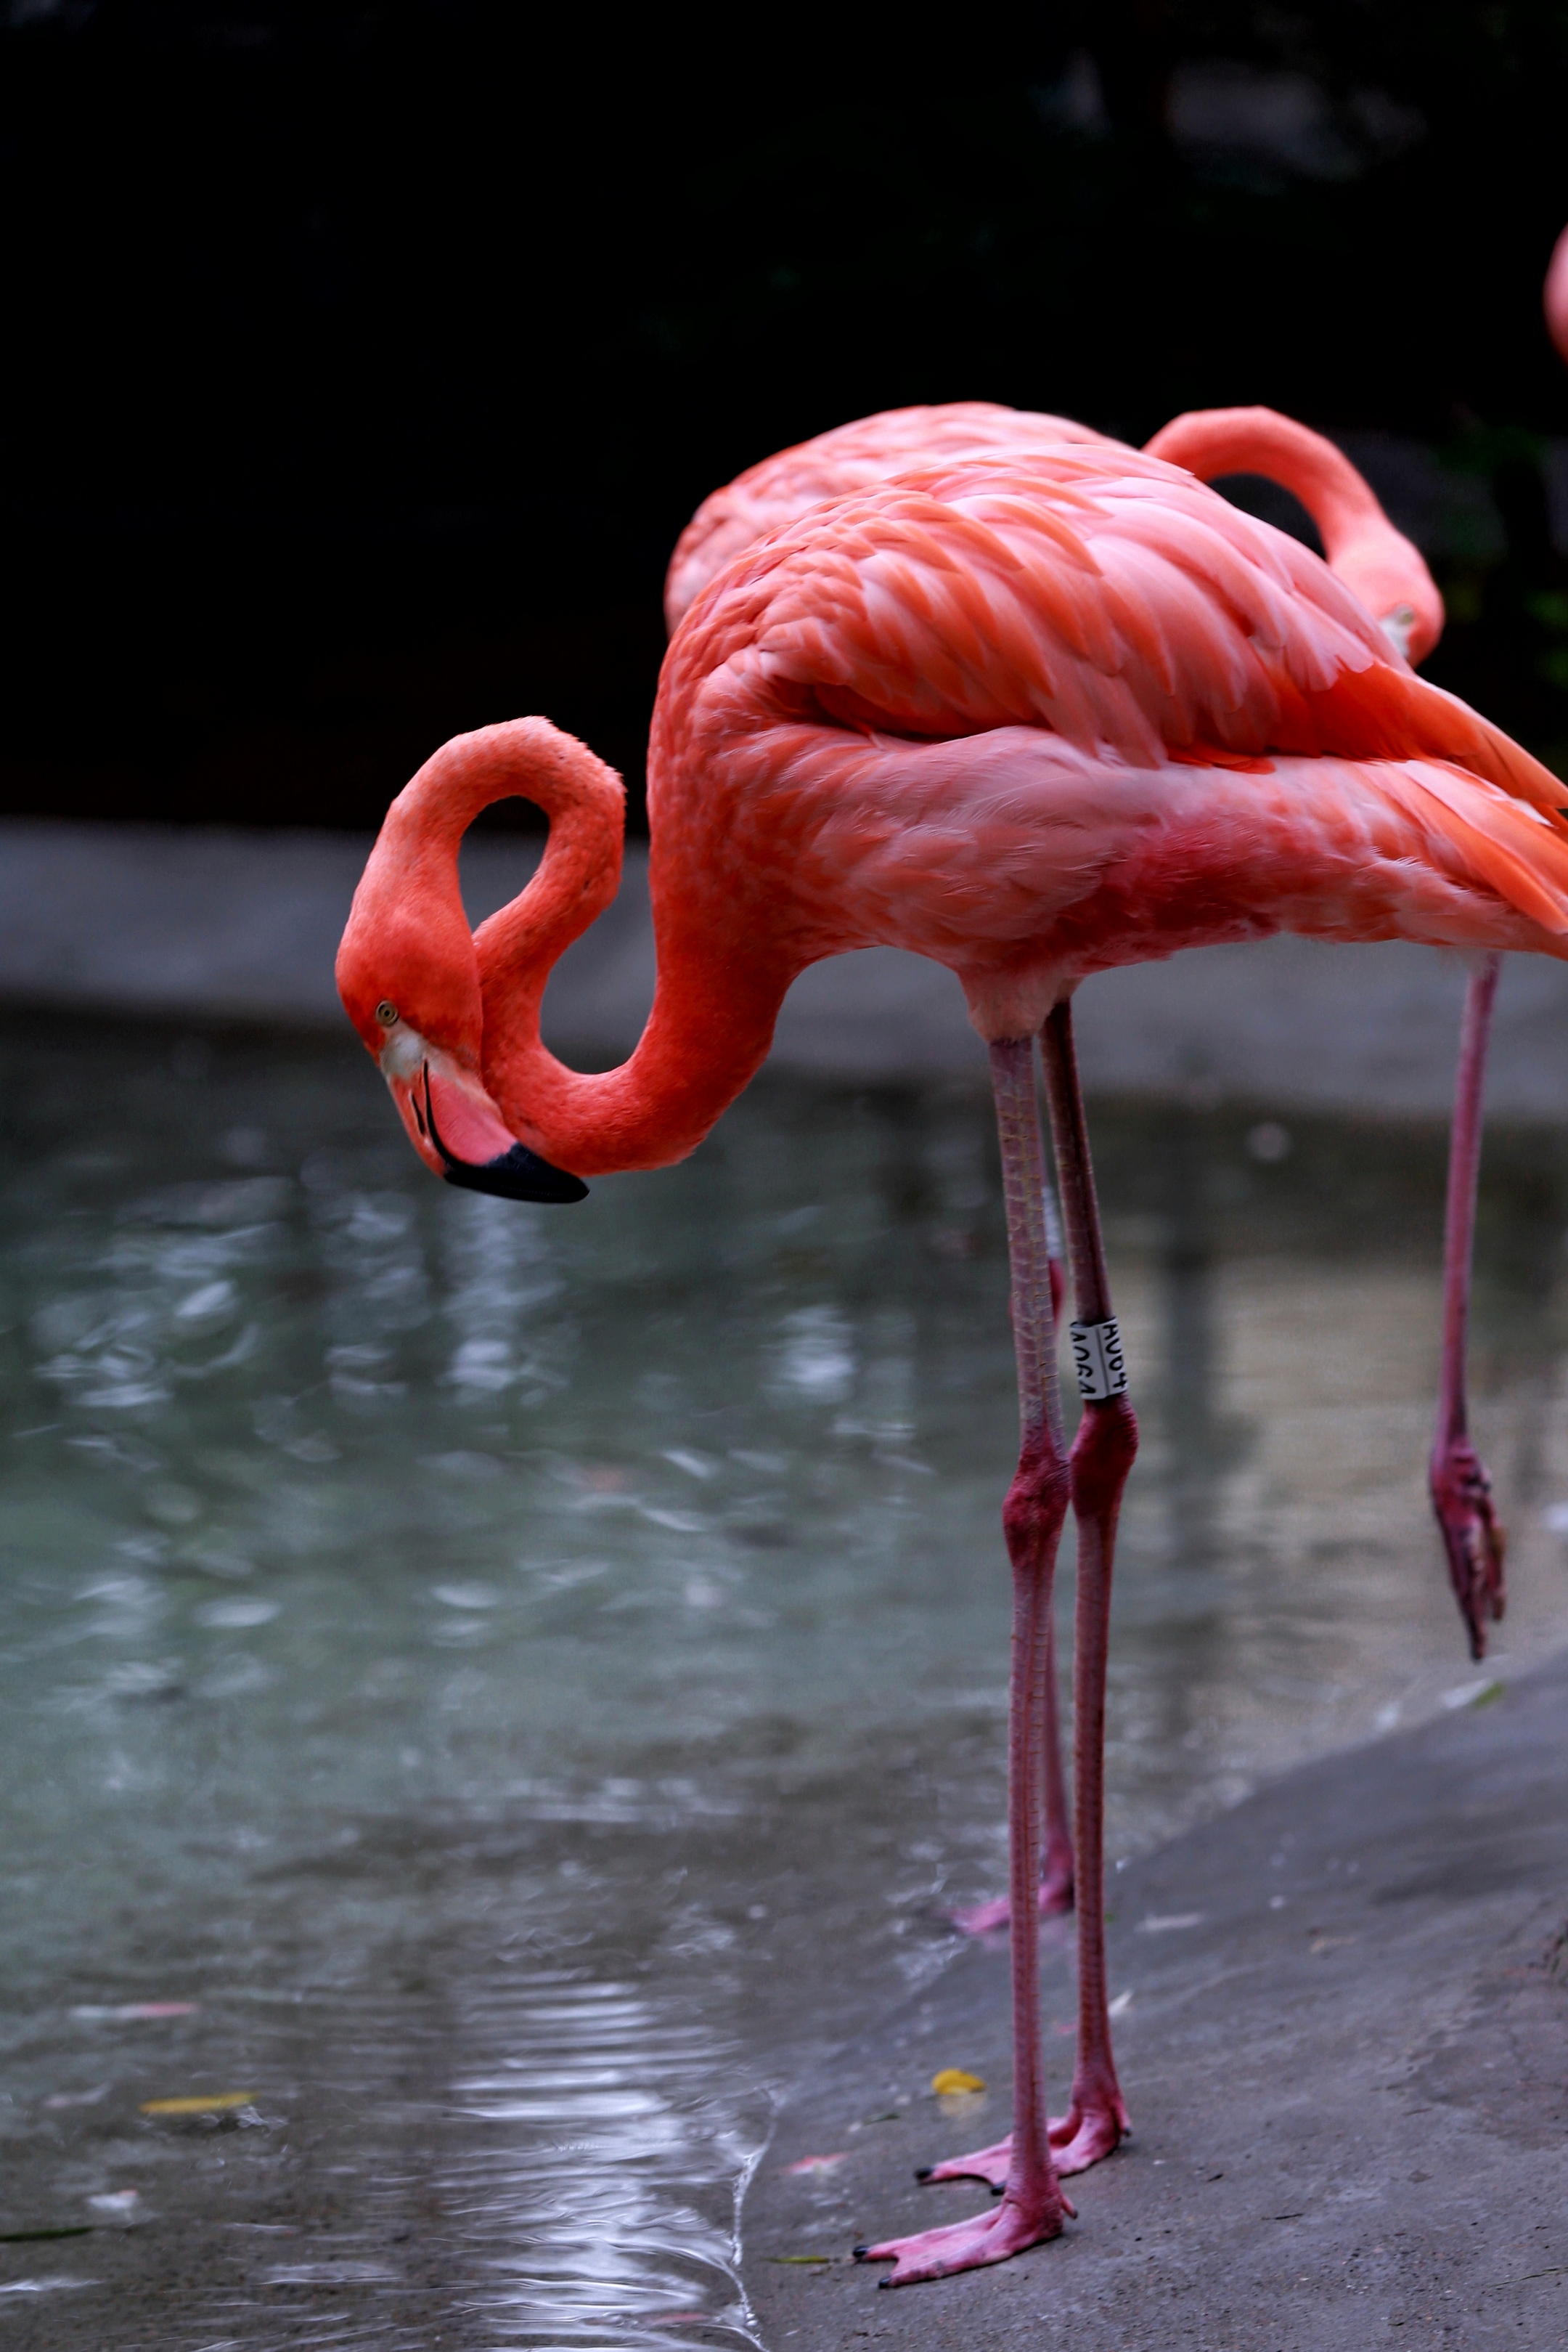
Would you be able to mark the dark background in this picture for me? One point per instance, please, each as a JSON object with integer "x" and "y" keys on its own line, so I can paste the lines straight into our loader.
{"x": 363, "y": 364}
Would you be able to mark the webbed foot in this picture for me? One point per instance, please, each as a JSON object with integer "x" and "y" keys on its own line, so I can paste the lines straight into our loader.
{"x": 1020, "y": 2221}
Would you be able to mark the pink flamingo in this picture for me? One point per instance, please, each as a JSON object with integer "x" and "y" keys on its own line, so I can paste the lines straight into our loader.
{"x": 769, "y": 494}
{"x": 1554, "y": 295}
{"x": 1031, "y": 717}
{"x": 1390, "y": 577}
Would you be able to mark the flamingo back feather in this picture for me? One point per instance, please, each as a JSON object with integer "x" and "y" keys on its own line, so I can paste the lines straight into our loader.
{"x": 780, "y": 488}
{"x": 1116, "y": 602}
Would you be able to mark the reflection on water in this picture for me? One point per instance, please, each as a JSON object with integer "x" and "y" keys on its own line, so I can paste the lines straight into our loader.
{"x": 487, "y": 1688}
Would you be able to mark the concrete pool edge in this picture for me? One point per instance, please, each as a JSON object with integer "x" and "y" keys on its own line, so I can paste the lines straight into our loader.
{"x": 1345, "y": 2070}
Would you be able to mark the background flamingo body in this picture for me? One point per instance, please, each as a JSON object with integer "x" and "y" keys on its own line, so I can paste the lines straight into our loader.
{"x": 1554, "y": 295}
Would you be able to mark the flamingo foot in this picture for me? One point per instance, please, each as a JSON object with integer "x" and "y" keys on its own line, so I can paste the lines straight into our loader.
{"x": 1020, "y": 2221}
{"x": 1473, "y": 1537}
{"x": 1086, "y": 2134}
{"x": 988, "y": 2164}
{"x": 985, "y": 1918}
{"x": 1081, "y": 2137}
{"x": 982, "y": 1918}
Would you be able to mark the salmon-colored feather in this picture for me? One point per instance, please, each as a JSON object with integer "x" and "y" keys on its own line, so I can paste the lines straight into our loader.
{"x": 783, "y": 487}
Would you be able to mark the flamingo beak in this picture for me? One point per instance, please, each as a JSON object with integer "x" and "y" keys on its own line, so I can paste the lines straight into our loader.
{"x": 456, "y": 1130}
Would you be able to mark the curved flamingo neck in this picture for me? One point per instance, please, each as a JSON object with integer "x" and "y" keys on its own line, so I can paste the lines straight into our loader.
{"x": 577, "y": 877}
{"x": 713, "y": 1014}
{"x": 1377, "y": 562}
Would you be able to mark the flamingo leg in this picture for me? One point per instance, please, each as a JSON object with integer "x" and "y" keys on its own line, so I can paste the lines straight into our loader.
{"x": 1056, "y": 1875}
{"x": 1461, "y": 1490}
{"x": 1101, "y": 1459}
{"x": 1033, "y": 2207}
{"x": 1102, "y": 1456}
{"x": 1056, "y": 1865}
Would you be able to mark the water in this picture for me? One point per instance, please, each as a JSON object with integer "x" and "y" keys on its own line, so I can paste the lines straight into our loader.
{"x": 509, "y": 1683}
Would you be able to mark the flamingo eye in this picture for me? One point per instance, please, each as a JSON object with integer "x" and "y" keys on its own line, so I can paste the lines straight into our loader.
{"x": 386, "y": 1014}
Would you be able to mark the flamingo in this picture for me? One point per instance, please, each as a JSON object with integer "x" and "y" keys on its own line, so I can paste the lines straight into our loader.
{"x": 769, "y": 495}
{"x": 1392, "y": 580}
{"x": 1390, "y": 577}
{"x": 1032, "y": 716}
{"x": 1554, "y": 295}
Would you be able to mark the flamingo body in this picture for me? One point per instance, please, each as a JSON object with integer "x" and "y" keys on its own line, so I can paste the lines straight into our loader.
{"x": 774, "y": 492}
{"x": 1032, "y": 717}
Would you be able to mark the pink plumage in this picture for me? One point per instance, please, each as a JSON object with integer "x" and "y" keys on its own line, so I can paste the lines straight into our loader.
{"x": 781, "y": 488}
{"x": 1035, "y": 716}
{"x": 1554, "y": 295}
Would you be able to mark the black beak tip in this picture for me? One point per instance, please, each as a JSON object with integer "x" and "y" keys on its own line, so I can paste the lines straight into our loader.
{"x": 518, "y": 1175}
{"x": 515, "y": 1175}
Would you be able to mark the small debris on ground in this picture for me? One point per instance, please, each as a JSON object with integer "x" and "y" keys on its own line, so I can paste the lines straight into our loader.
{"x": 210, "y": 2103}
{"x": 953, "y": 2078}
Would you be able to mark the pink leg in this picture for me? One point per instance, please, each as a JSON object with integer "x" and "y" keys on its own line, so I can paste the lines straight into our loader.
{"x": 1056, "y": 1867}
{"x": 1461, "y": 1490}
{"x": 1056, "y": 1870}
{"x": 1032, "y": 2206}
{"x": 1102, "y": 1451}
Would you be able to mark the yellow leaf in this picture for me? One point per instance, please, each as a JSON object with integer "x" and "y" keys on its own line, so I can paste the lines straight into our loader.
{"x": 952, "y": 2078}
{"x": 213, "y": 2103}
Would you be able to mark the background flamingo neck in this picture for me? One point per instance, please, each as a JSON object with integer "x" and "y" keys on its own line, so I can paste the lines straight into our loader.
{"x": 1375, "y": 562}
{"x": 1211, "y": 442}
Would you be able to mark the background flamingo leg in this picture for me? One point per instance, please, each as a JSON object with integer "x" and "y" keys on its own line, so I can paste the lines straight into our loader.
{"x": 1032, "y": 2207}
{"x": 1101, "y": 1457}
{"x": 1461, "y": 1490}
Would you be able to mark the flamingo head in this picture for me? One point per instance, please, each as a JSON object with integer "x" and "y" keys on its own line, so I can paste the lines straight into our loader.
{"x": 409, "y": 980}
{"x": 1391, "y": 579}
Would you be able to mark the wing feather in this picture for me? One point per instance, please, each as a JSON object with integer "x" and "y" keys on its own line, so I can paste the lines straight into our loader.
{"x": 1113, "y": 601}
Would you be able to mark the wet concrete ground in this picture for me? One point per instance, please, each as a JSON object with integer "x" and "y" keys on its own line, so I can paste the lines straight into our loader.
{"x": 1346, "y": 2059}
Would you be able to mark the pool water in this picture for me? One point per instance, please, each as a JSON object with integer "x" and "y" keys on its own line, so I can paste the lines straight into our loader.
{"x": 489, "y": 1691}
